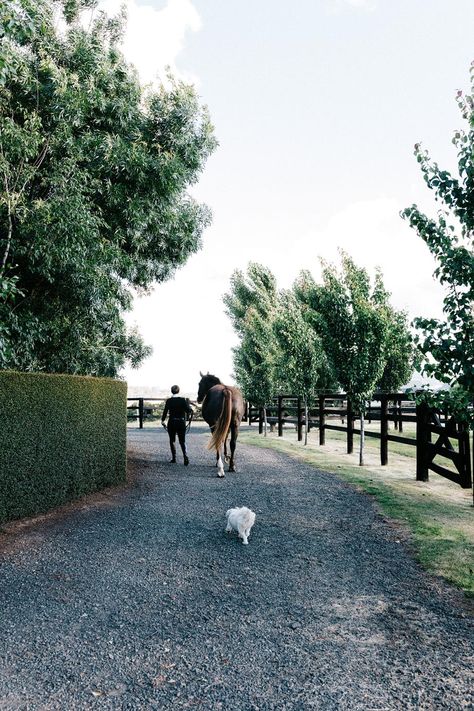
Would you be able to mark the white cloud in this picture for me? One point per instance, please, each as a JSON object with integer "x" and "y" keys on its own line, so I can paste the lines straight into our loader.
{"x": 373, "y": 233}
{"x": 154, "y": 38}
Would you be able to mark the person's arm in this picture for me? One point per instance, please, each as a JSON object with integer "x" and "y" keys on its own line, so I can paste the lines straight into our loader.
{"x": 165, "y": 412}
{"x": 190, "y": 413}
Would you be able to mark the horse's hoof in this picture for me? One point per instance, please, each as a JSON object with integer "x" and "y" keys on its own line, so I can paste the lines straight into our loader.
{"x": 221, "y": 476}
{"x": 232, "y": 470}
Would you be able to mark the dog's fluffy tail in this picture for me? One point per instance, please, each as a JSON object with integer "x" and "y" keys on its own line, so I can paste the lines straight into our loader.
{"x": 223, "y": 423}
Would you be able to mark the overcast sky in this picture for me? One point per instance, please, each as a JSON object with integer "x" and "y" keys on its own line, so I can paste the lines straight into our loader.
{"x": 317, "y": 105}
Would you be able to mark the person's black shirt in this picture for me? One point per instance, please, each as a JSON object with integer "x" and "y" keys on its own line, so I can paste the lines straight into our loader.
{"x": 177, "y": 408}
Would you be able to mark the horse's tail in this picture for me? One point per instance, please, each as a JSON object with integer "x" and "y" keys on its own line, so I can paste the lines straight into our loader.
{"x": 223, "y": 423}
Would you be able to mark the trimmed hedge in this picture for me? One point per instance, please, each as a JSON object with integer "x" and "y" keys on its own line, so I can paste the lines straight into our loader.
{"x": 61, "y": 436}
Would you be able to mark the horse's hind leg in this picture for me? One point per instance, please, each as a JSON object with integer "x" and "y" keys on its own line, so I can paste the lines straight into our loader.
{"x": 234, "y": 431}
{"x": 226, "y": 456}
{"x": 219, "y": 465}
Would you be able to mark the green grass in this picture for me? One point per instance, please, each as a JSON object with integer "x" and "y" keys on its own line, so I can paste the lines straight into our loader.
{"x": 438, "y": 515}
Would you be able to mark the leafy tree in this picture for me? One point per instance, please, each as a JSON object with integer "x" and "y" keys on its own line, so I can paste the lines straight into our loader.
{"x": 448, "y": 346}
{"x": 256, "y": 289}
{"x": 399, "y": 351}
{"x": 301, "y": 360}
{"x": 400, "y": 355}
{"x": 94, "y": 175}
{"x": 251, "y": 304}
{"x": 254, "y": 361}
{"x": 355, "y": 331}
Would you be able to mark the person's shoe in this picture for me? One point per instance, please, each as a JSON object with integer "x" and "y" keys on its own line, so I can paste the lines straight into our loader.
{"x": 186, "y": 460}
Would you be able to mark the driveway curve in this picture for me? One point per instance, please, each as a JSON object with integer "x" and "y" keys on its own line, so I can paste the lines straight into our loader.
{"x": 138, "y": 599}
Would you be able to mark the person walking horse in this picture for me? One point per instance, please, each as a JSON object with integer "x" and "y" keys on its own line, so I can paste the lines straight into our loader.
{"x": 179, "y": 411}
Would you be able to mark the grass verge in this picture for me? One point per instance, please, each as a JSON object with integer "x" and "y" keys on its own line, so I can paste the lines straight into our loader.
{"x": 438, "y": 514}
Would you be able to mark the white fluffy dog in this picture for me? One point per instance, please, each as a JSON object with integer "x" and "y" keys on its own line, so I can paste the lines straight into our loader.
{"x": 240, "y": 519}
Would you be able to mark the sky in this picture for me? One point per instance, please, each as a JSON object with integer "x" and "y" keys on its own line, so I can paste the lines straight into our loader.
{"x": 317, "y": 105}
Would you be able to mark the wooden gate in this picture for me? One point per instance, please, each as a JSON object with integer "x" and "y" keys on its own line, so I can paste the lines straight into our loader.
{"x": 447, "y": 430}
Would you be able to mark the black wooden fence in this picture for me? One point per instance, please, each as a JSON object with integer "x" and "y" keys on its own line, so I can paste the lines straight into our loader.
{"x": 452, "y": 441}
{"x": 143, "y": 409}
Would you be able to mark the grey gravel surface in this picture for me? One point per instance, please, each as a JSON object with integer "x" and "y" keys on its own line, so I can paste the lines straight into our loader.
{"x": 140, "y": 600}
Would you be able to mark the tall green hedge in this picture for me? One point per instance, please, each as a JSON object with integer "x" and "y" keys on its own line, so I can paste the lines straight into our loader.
{"x": 61, "y": 436}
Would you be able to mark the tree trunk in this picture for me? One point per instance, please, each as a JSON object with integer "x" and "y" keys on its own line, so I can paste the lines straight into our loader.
{"x": 264, "y": 421}
{"x": 305, "y": 421}
{"x": 361, "y": 451}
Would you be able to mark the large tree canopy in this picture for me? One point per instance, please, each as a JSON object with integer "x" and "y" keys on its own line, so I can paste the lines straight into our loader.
{"x": 448, "y": 346}
{"x": 94, "y": 174}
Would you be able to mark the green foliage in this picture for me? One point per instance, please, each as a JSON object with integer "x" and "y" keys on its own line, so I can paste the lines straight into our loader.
{"x": 257, "y": 289}
{"x": 343, "y": 333}
{"x": 62, "y": 436}
{"x": 301, "y": 361}
{"x": 254, "y": 359}
{"x": 355, "y": 328}
{"x": 448, "y": 346}
{"x": 94, "y": 175}
{"x": 400, "y": 354}
{"x": 251, "y": 305}
{"x": 399, "y": 348}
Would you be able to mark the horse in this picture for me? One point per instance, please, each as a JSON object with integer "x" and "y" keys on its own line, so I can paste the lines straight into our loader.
{"x": 222, "y": 409}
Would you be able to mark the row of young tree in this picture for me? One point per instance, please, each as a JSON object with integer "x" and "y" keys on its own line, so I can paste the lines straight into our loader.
{"x": 342, "y": 333}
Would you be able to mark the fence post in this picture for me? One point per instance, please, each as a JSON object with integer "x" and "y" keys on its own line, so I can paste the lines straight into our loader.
{"x": 140, "y": 412}
{"x": 350, "y": 428}
{"x": 280, "y": 416}
{"x": 322, "y": 420}
{"x": 383, "y": 430}
{"x": 298, "y": 420}
{"x": 260, "y": 421}
{"x": 464, "y": 451}
{"x": 422, "y": 439}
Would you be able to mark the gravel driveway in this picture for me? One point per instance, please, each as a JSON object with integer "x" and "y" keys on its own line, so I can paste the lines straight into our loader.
{"x": 140, "y": 600}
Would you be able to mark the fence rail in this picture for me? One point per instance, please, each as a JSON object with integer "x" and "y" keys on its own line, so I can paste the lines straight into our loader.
{"x": 394, "y": 408}
{"x": 142, "y": 410}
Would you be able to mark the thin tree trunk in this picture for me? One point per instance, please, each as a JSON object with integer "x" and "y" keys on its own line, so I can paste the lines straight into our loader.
{"x": 305, "y": 421}
{"x": 264, "y": 421}
{"x": 362, "y": 437}
{"x": 9, "y": 241}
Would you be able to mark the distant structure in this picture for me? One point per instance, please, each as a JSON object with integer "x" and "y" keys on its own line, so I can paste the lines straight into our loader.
{"x": 152, "y": 391}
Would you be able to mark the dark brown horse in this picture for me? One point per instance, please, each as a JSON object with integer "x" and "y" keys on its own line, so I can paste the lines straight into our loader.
{"x": 223, "y": 409}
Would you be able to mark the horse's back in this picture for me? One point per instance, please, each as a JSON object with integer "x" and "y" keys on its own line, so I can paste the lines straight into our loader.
{"x": 214, "y": 401}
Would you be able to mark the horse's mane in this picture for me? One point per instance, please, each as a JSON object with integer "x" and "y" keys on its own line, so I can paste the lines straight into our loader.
{"x": 212, "y": 379}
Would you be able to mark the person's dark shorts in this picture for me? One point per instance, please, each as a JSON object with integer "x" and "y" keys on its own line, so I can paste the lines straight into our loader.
{"x": 176, "y": 426}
